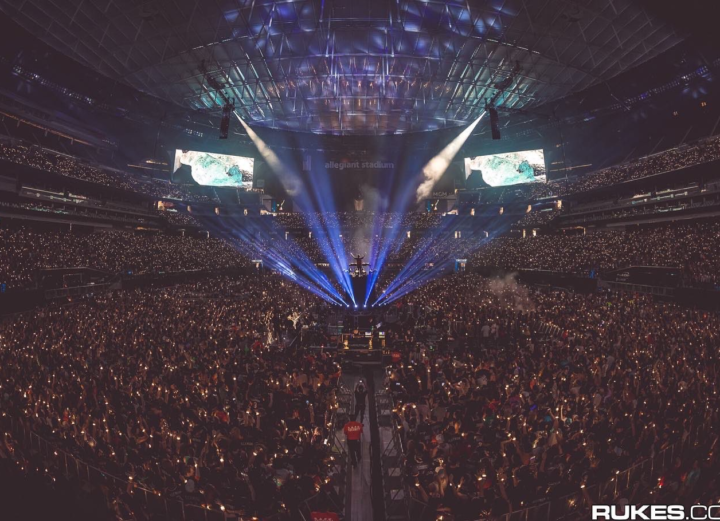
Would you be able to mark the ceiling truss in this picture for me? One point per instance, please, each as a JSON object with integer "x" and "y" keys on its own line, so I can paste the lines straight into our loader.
{"x": 348, "y": 66}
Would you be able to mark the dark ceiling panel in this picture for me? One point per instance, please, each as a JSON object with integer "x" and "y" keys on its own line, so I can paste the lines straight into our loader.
{"x": 349, "y": 66}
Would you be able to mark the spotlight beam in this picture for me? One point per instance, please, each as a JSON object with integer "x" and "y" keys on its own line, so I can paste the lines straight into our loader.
{"x": 289, "y": 179}
{"x": 437, "y": 240}
{"x": 292, "y": 184}
{"x": 414, "y": 273}
{"x": 436, "y": 167}
{"x": 439, "y": 251}
{"x": 432, "y": 172}
{"x": 385, "y": 242}
{"x": 327, "y": 232}
{"x": 297, "y": 267}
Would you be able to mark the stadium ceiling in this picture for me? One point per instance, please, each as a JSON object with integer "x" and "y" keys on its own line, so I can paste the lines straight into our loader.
{"x": 352, "y": 66}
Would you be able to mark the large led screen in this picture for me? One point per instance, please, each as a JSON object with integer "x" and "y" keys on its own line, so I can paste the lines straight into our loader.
{"x": 216, "y": 169}
{"x": 526, "y": 166}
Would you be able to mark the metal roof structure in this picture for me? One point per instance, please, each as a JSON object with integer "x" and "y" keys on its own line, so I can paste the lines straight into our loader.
{"x": 352, "y": 66}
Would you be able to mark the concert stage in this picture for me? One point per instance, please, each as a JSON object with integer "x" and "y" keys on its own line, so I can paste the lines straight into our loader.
{"x": 359, "y": 282}
{"x": 357, "y": 335}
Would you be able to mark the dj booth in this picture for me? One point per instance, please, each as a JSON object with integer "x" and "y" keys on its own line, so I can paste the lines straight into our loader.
{"x": 354, "y": 334}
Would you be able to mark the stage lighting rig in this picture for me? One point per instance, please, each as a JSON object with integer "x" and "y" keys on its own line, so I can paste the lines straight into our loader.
{"x": 494, "y": 121}
{"x": 228, "y": 110}
{"x": 490, "y": 108}
{"x": 228, "y": 106}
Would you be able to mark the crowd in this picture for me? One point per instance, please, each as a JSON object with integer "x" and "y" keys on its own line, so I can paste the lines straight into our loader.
{"x": 36, "y": 207}
{"x": 693, "y": 247}
{"x": 694, "y": 199}
{"x": 667, "y": 161}
{"x": 399, "y": 248}
{"x": 90, "y": 213}
{"x": 25, "y": 251}
{"x": 179, "y": 218}
{"x": 358, "y": 220}
{"x": 508, "y": 398}
{"x": 191, "y": 392}
{"x": 538, "y": 218}
{"x": 674, "y": 191}
{"x": 62, "y": 164}
{"x": 69, "y": 166}
{"x": 644, "y": 211}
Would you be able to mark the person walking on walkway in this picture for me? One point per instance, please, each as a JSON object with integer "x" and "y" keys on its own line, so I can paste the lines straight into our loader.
{"x": 353, "y": 432}
{"x": 360, "y": 397}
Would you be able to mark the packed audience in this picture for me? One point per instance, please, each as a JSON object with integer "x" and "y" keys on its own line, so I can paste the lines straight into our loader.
{"x": 508, "y": 398}
{"x": 357, "y": 220}
{"x": 694, "y": 198}
{"x": 36, "y": 207}
{"x": 693, "y": 247}
{"x": 179, "y": 218}
{"x": 667, "y": 161}
{"x": 25, "y": 251}
{"x": 675, "y": 191}
{"x": 644, "y": 211}
{"x": 68, "y": 166}
{"x": 90, "y": 213}
{"x": 538, "y": 218}
{"x": 191, "y": 393}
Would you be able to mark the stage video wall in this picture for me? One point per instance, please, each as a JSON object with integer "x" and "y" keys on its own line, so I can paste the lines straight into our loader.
{"x": 210, "y": 169}
{"x": 525, "y": 166}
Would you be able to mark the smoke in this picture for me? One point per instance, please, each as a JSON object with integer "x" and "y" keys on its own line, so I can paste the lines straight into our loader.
{"x": 362, "y": 236}
{"x": 436, "y": 167}
{"x": 374, "y": 200}
{"x": 291, "y": 182}
{"x": 511, "y": 294}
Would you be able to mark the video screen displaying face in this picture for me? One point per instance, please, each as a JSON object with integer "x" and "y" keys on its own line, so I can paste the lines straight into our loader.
{"x": 513, "y": 168}
{"x": 211, "y": 169}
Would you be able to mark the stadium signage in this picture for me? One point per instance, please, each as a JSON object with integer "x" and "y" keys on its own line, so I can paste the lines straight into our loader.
{"x": 352, "y": 165}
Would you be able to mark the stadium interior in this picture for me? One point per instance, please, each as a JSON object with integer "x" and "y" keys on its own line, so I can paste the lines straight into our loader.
{"x": 331, "y": 260}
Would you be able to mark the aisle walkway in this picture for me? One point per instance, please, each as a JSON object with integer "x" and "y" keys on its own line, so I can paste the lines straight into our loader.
{"x": 359, "y": 506}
